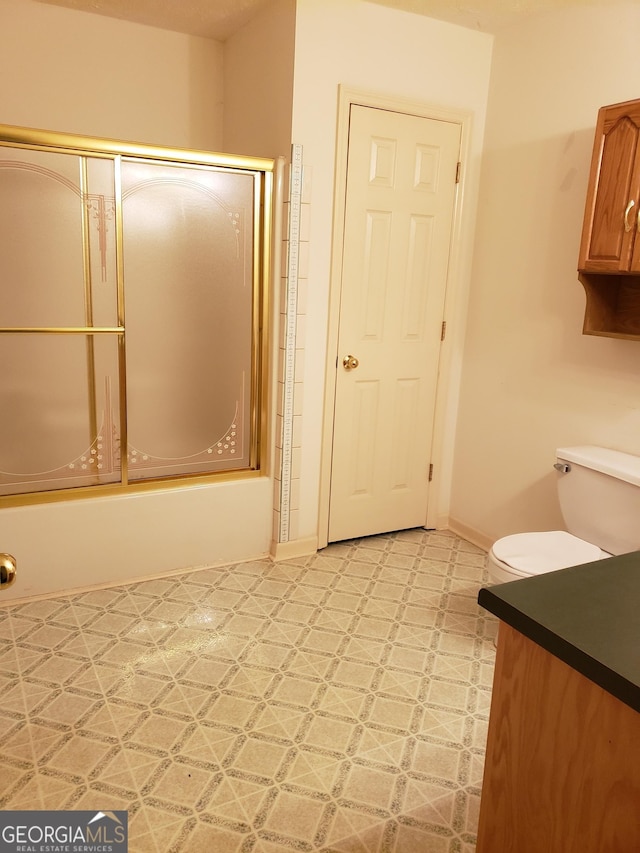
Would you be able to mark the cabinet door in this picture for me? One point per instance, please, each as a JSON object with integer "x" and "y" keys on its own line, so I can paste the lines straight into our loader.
{"x": 613, "y": 196}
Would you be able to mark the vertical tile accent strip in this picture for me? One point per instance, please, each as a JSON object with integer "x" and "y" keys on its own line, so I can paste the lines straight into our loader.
{"x": 291, "y": 307}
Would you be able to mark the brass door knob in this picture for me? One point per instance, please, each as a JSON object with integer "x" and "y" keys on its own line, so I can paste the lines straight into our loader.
{"x": 350, "y": 362}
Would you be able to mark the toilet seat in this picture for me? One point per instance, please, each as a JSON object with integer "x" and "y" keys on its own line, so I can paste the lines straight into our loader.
{"x": 527, "y": 554}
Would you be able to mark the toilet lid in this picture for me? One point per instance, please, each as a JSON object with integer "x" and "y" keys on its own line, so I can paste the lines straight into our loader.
{"x": 536, "y": 553}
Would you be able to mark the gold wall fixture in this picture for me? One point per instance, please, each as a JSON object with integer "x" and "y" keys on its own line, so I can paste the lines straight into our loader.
{"x": 7, "y": 570}
{"x": 133, "y": 315}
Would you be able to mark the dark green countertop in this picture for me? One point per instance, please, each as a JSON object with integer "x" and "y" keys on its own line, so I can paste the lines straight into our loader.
{"x": 587, "y": 616}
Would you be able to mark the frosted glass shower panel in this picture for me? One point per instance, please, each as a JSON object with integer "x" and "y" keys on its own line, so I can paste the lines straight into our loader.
{"x": 57, "y": 220}
{"x": 188, "y": 252}
{"x": 60, "y": 428}
{"x": 133, "y": 314}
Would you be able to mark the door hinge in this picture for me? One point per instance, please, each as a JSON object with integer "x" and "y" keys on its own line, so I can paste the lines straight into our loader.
{"x": 458, "y": 169}
{"x": 443, "y": 331}
{"x": 431, "y": 472}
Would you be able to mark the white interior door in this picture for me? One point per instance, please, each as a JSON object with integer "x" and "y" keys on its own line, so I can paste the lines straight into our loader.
{"x": 400, "y": 199}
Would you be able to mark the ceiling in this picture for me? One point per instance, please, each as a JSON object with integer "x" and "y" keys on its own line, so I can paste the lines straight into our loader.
{"x": 215, "y": 19}
{"x": 486, "y": 15}
{"x": 218, "y": 19}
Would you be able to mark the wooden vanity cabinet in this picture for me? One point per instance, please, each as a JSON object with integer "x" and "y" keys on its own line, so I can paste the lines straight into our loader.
{"x": 562, "y": 764}
{"x": 609, "y": 261}
{"x": 561, "y": 770}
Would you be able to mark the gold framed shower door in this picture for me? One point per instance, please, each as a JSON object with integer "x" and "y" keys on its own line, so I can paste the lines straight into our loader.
{"x": 134, "y": 299}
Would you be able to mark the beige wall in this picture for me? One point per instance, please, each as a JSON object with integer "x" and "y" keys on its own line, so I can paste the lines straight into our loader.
{"x": 88, "y": 74}
{"x": 368, "y": 47}
{"x": 258, "y": 97}
{"x": 258, "y": 83}
{"x": 532, "y": 382}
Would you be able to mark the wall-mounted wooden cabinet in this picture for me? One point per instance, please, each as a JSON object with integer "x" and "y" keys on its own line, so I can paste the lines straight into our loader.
{"x": 609, "y": 262}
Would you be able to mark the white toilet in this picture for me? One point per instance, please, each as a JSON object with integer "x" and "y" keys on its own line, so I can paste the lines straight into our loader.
{"x": 599, "y": 492}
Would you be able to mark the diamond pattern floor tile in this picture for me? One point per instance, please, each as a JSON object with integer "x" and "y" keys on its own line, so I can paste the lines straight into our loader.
{"x": 335, "y": 703}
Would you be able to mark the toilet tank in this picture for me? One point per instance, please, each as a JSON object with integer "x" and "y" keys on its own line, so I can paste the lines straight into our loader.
{"x": 600, "y": 496}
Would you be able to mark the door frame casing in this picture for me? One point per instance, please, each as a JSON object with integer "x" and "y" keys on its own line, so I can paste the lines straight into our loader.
{"x": 437, "y": 510}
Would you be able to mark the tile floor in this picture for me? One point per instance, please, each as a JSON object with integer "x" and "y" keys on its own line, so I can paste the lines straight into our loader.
{"x": 334, "y": 703}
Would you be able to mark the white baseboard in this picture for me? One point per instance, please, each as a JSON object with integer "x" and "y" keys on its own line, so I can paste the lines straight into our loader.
{"x": 296, "y": 548}
{"x": 476, "y": 537}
